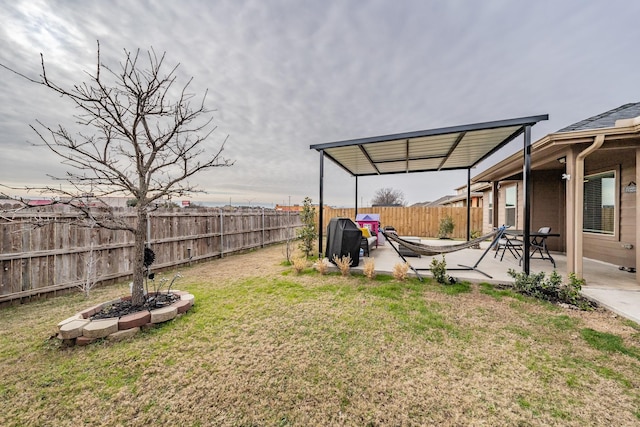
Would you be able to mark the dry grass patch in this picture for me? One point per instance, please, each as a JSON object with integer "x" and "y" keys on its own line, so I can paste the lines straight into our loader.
{"x": 322, "y": 266}
{"x": 369, "y": 269}
{"x": 299, "y": 263}
{"x": 343, "y": 263}
{"x": 400, "y": 271}
{"x": 260, "y": 348}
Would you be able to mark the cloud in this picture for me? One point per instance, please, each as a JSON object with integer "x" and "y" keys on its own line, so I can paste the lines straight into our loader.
{"x": 283, "y": 75}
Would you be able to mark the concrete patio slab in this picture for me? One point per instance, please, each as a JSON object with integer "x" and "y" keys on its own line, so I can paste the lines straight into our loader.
{"x": 623, "y": 302}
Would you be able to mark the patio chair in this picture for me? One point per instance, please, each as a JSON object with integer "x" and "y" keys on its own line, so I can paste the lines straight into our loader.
{"x": 510, "y": 243}
{"x": 539, "y": 244}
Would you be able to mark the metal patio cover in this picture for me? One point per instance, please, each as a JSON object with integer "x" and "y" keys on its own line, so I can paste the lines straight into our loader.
{"x": 449, "y": 148}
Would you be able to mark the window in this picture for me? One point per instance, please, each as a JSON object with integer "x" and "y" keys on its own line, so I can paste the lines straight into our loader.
{"x": 490, "y": 214}
{"x": 510, "y": 202}
{"x": 599, "y": 203}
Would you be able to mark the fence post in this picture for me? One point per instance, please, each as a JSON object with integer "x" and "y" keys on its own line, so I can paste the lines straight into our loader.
{"x": 39, "y": 267}
{"x": 221, "y": 233}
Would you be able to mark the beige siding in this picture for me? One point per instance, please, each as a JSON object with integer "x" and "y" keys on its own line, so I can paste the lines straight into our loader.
{"x": 547, "y": 206}
{"x": 612, "y": 248}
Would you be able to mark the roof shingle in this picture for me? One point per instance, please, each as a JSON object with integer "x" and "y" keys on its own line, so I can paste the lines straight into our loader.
{"x": 606, "y": 119}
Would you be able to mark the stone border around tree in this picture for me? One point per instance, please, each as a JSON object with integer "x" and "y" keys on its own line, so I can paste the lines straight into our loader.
{"x": 79, "y": 329}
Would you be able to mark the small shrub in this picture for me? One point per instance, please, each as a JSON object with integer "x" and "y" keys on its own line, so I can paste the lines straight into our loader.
{"x": 307, "y": 233}
{"x": 400, "y": 271}
{"x": 551, "y": 289}
{"x": 570, "y": 293}
{"x": 321, "y": 266}
{"x": 343, "y": 263}
{"x": 369, "y": 269}
{"x": 446, "y": 227}
{"x": 299, "y": 264}
{"x": 439, "y": 272}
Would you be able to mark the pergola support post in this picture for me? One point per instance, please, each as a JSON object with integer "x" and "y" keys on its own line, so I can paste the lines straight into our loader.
{"x": 526, "y": 180}
{"x": 356, "y": 197}
{"x": 494, "y": 203}
{"x": 321, "y": 204}
{"x": 468, "y": 204}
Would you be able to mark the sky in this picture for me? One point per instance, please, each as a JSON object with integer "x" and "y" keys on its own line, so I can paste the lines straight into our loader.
{"x": 283, "y": 75}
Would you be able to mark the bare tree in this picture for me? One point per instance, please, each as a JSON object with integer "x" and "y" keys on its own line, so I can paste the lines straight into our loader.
{"x": 388, "y": 197}
{"x": 90, "y": 261}
{"x": 145, "y": 142}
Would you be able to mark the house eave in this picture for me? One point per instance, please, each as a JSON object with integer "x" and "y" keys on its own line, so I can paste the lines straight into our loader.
{"x": 625, "y": 129}
{"x": 462, "y": 197}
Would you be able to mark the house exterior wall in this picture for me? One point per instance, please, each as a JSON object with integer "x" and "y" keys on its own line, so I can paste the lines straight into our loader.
{"x": 487, "y": 221}
{"x": 609, "y": 248}
{"x": 476, "y": 202}
{"x": 549, "y": 204}
{"x": 502, "y": 196}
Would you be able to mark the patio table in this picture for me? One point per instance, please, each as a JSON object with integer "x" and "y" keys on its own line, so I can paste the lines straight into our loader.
{"x": 538, "y": 244}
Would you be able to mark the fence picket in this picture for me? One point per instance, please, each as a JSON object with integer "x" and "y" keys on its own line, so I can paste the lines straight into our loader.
{"x": 50, "y": 258}
{"x": 414, "y": 221}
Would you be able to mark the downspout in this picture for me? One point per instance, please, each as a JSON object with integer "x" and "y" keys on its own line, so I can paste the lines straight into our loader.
{"x": 579, "y": 203}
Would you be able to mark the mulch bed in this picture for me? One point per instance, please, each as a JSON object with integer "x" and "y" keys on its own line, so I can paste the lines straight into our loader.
{"x": 125, "y": 307}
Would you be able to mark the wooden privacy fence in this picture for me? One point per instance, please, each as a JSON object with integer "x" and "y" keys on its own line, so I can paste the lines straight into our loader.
{"x": 55, "y": 255}
{"x": 415, "y": 221}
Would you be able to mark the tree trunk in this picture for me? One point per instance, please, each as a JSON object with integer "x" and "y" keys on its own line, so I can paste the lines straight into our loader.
{"x": 137, "y": 296}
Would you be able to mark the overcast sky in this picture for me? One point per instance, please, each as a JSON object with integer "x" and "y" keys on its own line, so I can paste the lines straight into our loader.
{"x": 283, "y": 75}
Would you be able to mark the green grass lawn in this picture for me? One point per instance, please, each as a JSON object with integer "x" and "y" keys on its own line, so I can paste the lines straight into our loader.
{"x": 266, "y": 347}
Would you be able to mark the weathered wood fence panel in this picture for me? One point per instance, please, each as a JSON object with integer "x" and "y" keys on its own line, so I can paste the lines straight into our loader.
{"x": 55, "y": 255}
{"x": 415, "y": 221}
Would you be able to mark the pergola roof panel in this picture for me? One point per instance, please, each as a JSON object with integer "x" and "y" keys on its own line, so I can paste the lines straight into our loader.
{"x": 392, "y": 150}
{"x": 424, "y": 165}
{"x": 458, "y": 147}
{"x": 392, "y": 167}
{"x": 352, "y": 160}
{"x": 432, "y": 146}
